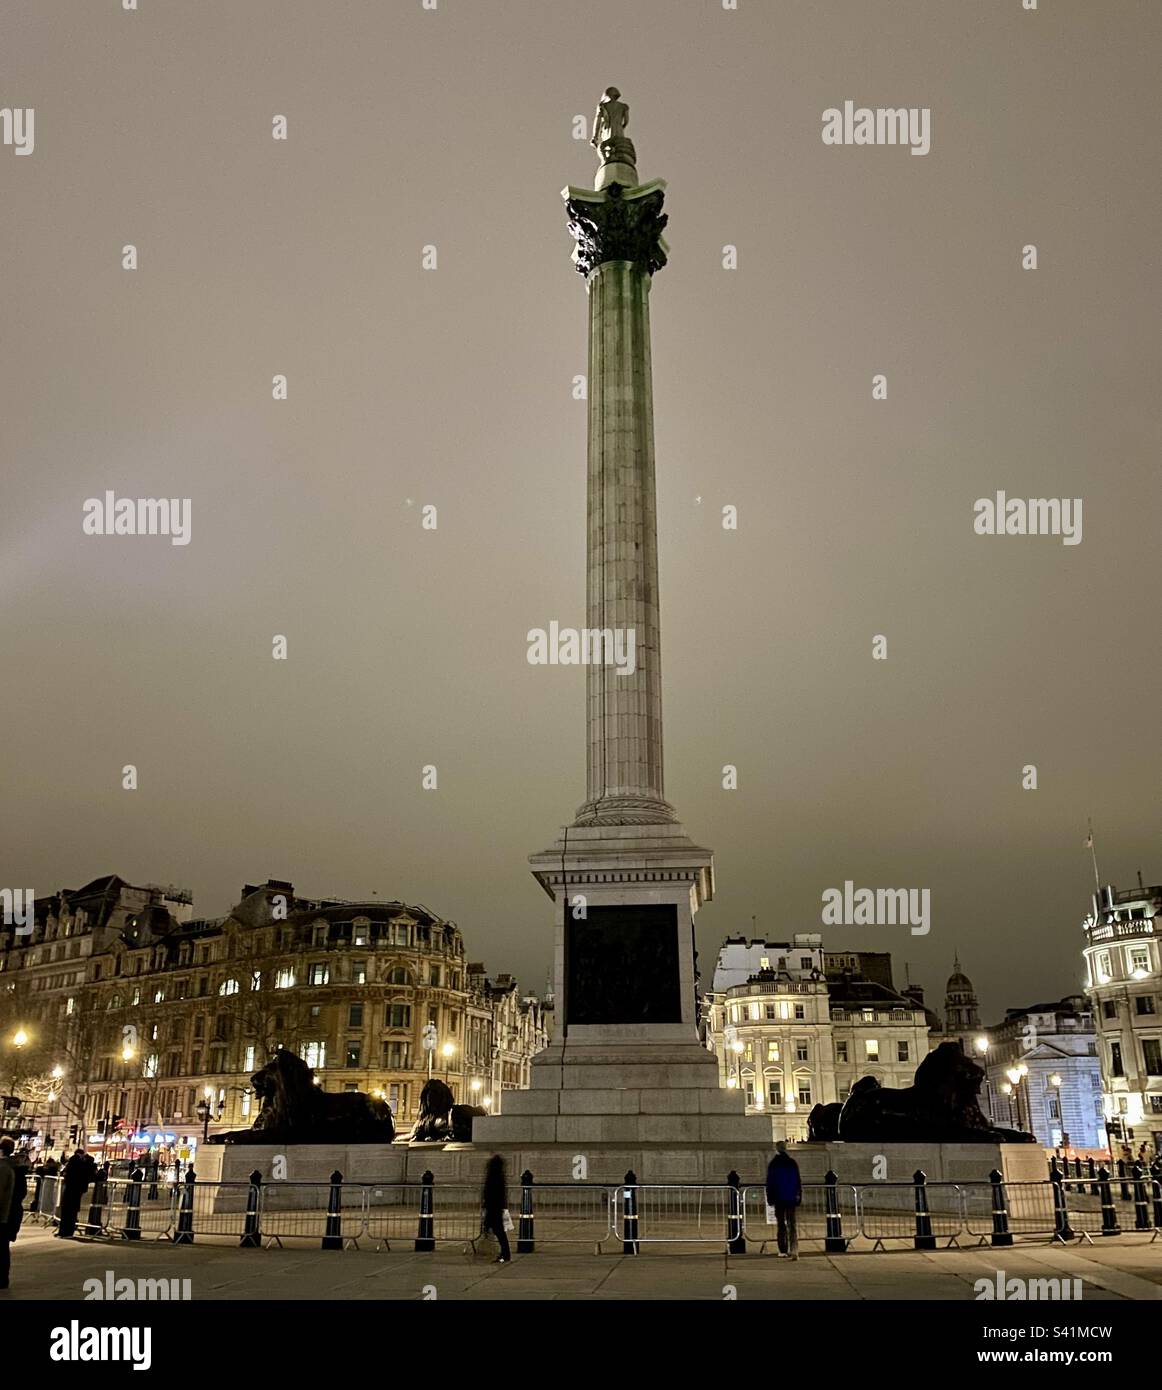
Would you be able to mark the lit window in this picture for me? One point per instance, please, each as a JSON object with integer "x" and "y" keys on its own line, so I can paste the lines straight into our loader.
{"x": 284, "y": 978}
{"x": 871, "y": 1050}
{"x": 228, "y": 987}
{"x": 755, "y": 1013}
{"x": 319, "y": 974}
{"x": 314, "y": 1054}
{"x": 772, "y": 1051}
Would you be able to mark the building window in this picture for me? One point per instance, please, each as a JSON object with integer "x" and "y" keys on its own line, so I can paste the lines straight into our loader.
{"x": 770, "y": 1011}
{"x": 774, "y": 1091}
{"x": 1103, "y": 967}
{"x": 871, "y": 1050}
{"x": 319, "y": 975}
{"x": 398, "y": 976}
{"x": 314, "y": 1054}
{"x": 749, "y": 1088}
{"x": 395, "y": 1055}
{"x": 1155, "y": 1105}
{"x": 400, "y": 1016}
{"x": 359, "y": 934}
{"x": 200, "y": 1026}
{"x": 901, "y": 1051}
{"x": 805, "y": 962}
{"x": 804, "y": 1093}
{"x": 256, "y": 980}
{"x": 1139, "y": 958}
{"x": 284, "y": 978}
{"x": 801, "y": 1050}
{"x": 1144, "y": 1004}
{"x": 359, "y": 974}
{"x": 228, "y": 987}
{"x": 772, "y": 1051}
{"x": 248, "y": 1064}
{"x": 354, "y": 1052}
{"x": 1109, "y": 1008}
{"x": 764, "y": 962}
{"x": 800, "y": 1011}
{"x": 841, "y": 1051}
{"x": 1152, "y": 1055}
{"x": 748, "y": 1052}
{"x": 1116, "y": 1068}
{"x": 355, "y": 1016}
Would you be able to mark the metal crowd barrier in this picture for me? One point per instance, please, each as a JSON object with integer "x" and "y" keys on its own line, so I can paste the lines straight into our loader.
{"x": 729, "y": 1216}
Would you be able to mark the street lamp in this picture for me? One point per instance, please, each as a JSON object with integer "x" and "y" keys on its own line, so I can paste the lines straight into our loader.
{"x": 982, "y": 1044}
{"x": 205, "y": 1111}
{"x": 447, "y": 1051}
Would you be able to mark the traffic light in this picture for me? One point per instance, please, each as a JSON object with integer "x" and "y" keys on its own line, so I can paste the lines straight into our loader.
{"x": 101, "y": 1124}
{"x": 115, "y": 1122}
{"x": 72, "y": 1134}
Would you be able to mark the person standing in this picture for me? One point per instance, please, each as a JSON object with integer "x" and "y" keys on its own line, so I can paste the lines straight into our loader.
{"x": 784, "y": 1193}
{"x": 79, "y": 1173}
{"x": 10, "y": 1208}
{"x": 495, "y": 1203}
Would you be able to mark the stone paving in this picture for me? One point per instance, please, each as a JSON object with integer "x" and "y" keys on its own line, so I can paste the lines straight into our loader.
{"x": 1124, "y": 1267}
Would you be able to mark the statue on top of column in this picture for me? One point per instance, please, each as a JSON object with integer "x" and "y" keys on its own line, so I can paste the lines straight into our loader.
{"x": 610, "y": 119}
{"x": 609, "y": 122}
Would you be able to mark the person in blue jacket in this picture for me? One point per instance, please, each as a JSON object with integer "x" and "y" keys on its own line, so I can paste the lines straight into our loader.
{"x": 784, "y": 1193}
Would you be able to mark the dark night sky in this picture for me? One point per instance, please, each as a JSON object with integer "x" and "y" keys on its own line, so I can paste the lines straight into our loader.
{"x": 453, "y": 387}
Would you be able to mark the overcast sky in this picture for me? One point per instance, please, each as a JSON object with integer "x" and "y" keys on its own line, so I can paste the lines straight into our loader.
{"x": 453, "y": 387}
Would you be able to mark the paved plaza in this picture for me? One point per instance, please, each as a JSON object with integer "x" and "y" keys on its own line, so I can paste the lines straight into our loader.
{"x": 1124, "y": 1267}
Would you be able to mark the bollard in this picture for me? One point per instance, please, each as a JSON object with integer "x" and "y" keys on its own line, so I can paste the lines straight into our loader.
{"x": 1091, "y": 1168}
{"x": 735, "y": 1238}
{"x": 924, "y": 1239}
{"x": 629, "y": 1243}
{"x": 1141, "y": 1211}
{"x": 834, "y": 1242}
{"x": 1109, "y": 1213}
{"x": 184, "y": 1235}
{"x": 1061, "y": 1228}
{"x": 426, "y": 1234}
{"x": 1000, "y": 1202}
{"x": 133, "y": 1205}
{"x": 333, "y": 1238}
{"x": 1077, "y": 1166}
{"x": 1125, "y": 1190}
{"x": 525, "y": 1232}
{"x": 97, "y": 1204}
{"x": 251, "y": 1238}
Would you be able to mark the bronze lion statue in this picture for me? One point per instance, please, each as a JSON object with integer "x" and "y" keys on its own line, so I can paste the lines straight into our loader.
{"x": 941, "y": 1106}
{"x": 293, "y": 1110}
{"x": 441, "y": 1120}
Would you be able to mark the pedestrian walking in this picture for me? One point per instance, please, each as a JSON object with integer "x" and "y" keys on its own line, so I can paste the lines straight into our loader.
{"x": 495, "y": 1203}
{"x": 11, "y": 1209}
{"x": 784, "y": 1193}
{"x": 80, "y": 1172}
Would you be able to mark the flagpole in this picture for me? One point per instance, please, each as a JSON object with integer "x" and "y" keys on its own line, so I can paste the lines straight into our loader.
{"x": 1093, "y": 852}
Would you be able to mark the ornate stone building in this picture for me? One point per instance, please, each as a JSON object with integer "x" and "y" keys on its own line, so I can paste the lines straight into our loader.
{"x": 150, "y": 1012}
{"x": 961, "y": 1011}
{"x": 1123, "y": 960}
{"x": 1043, "y": 1075}
{"x": 794, "y": 1026}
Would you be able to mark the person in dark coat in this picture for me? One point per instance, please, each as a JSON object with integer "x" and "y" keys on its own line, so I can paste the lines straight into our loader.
{"x": 11, "y": 1205}
{"x": 80, "y": 1171}
{"x": 495, "y": 1202}
{"x": 23, "y": 1170}
{"x": 784, "y": 1193}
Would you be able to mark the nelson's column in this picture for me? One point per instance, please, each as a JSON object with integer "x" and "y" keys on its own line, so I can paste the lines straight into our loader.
{"x": 625, "y": 1080}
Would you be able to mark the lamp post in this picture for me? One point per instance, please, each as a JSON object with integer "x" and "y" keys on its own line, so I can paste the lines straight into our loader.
{"x": 447, "y": 1052}
{"x": 205, "y": 1111}
{"x": 1055, "y": 1082}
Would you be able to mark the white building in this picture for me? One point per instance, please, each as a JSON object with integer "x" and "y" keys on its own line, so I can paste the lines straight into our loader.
{"x": 794, "y": 1026}
{"x": 1122, "y": 981}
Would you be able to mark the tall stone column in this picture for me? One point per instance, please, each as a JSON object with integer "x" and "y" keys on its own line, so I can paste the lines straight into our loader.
{"x": 619, "y": 247}
{"x": 624, "y": 1079}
